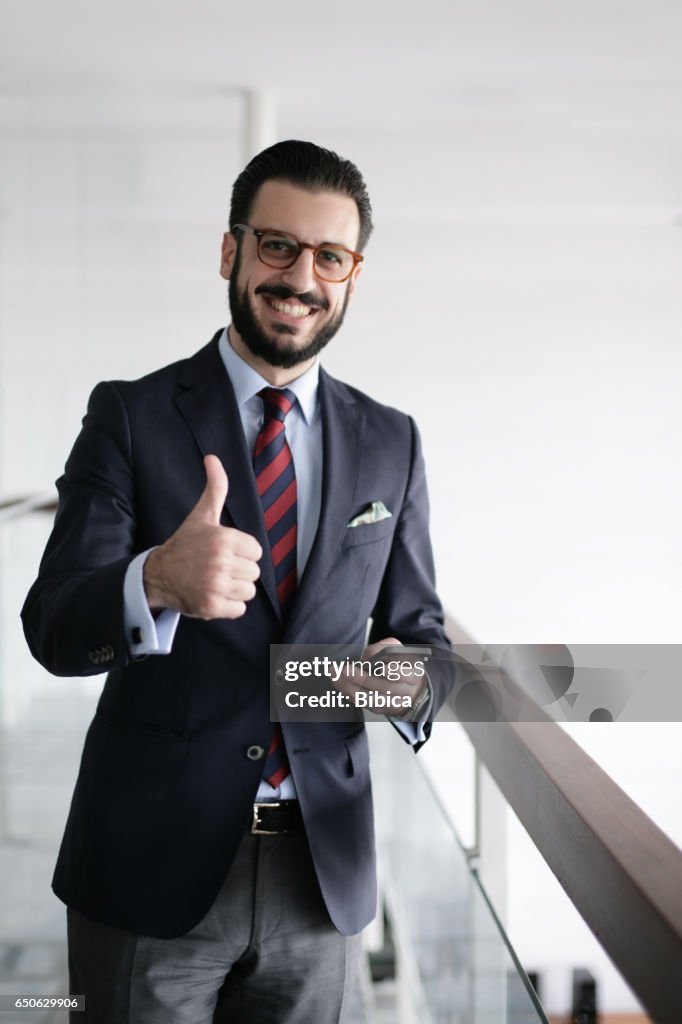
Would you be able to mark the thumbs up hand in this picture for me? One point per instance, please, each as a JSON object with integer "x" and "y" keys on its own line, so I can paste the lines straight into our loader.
{"x": 204, "y": 570}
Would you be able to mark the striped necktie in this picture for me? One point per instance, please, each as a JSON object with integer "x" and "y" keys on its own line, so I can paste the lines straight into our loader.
{"x": 276, "y": 483}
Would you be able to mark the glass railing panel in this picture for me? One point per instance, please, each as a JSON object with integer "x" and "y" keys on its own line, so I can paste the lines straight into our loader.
{"x": 456, "y": 963}
{"x": 550, "y": 935}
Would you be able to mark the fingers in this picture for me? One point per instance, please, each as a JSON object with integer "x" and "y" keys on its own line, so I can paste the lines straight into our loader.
{"x": 245, "y": 569}
{"x": 244, "y": 546}
{"x": 224, "y": 571}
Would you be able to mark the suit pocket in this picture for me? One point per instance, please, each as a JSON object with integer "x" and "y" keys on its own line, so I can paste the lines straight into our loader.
{"x": 369, "y": 533}
{"x": 142, "y": 728}
{"x": 142, "y": 774}
{"x": 357, "y": 750}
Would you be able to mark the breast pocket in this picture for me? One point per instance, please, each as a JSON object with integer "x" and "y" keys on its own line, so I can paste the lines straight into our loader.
{"x": 369, "y": 533}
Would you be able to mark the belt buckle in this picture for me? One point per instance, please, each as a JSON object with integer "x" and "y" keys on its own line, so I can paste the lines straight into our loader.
{"x": 256, "y": 830}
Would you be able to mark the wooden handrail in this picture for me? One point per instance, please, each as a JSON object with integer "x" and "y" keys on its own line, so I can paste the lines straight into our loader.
{"x": 622, "y": 873}
{"x": 15, "y": 508}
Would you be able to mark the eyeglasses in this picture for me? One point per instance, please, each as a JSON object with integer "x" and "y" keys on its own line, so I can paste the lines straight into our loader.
{"x": 280, "y": 251}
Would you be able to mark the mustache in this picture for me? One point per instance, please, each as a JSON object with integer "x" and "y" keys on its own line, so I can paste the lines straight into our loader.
{"x": 280, "y": 291}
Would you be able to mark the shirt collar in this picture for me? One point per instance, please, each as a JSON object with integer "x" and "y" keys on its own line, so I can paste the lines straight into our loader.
{"x": 247, "y": 382}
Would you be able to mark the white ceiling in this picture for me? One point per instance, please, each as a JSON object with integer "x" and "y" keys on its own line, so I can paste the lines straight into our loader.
{"x": 514, "y": 107}
{"x": 360, "y": 66}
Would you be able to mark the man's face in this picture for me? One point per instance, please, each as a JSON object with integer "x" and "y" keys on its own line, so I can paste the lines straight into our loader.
{"x": 286, "y": 316}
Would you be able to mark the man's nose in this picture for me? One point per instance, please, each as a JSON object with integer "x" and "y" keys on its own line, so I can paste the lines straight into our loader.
{"x": 300, "y": 277}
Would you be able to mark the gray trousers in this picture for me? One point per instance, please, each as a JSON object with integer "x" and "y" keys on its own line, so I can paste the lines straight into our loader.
{"x": 266, "y": 953}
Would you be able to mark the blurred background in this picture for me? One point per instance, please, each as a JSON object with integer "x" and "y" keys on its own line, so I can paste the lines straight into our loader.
{"x": 520, "y": 297}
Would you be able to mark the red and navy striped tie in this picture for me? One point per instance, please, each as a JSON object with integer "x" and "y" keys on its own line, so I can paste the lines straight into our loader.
{"x": 276, "y": 483}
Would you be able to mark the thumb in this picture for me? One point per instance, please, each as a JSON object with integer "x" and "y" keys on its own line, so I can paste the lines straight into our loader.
{"x": 372, "y": 650}
{"x": 210, "y": 505}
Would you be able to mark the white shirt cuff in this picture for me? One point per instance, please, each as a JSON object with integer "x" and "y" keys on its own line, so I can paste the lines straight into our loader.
{"x": 144, "y": 633}
{"x": 414, "y": 731}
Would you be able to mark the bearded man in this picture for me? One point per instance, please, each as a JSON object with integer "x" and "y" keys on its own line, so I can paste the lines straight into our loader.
{"x": 217, "y": 865}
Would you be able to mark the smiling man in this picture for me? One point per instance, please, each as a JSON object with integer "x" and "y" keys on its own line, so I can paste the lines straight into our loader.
{"x": 285, "y": 320}
{"x": 218, "y": 866}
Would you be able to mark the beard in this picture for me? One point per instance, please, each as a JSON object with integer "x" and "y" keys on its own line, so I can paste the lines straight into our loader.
{"x": 276, "y": 350}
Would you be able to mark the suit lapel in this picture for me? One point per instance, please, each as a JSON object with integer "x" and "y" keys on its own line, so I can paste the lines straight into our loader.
{"x": 207, "y": 403}
{"x": 341, "y": 440}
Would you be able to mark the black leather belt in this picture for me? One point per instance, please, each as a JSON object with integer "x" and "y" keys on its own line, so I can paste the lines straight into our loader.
{"x": 276, "y": 817}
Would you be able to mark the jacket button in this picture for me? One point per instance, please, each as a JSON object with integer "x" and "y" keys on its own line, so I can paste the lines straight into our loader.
{"x": 94, "y": 657}
{"x": 254, "y": 752}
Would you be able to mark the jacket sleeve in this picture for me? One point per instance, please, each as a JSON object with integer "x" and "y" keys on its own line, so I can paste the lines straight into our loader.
{"x": 408, "y": 606}
{"x": 73, "y": 614}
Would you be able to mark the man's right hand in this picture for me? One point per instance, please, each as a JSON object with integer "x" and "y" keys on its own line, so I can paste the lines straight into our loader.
{"x": 204, "y": 570}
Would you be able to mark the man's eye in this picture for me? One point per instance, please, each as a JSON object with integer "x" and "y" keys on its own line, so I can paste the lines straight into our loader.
{"x": 278, "y": 245}
{"x": 330, "y": 256}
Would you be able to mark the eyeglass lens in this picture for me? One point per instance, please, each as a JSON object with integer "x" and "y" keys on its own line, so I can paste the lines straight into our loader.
{"x": 282, "y": 251}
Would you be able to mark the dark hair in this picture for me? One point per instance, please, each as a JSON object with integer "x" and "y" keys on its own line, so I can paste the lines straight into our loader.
{"x": 308, "y": 166}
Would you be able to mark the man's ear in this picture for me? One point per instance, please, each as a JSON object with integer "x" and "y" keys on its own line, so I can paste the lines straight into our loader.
{"x": 228, "y": 251}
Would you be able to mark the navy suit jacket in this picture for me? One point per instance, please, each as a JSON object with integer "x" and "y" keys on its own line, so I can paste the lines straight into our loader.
{"x": 165, "y": 787}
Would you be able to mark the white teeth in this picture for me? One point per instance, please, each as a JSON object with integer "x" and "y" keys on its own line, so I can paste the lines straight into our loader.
{"x": 284, "y": 307}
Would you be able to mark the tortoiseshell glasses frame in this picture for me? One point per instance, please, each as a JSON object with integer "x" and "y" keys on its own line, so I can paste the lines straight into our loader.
{"x": 280, "y": 250}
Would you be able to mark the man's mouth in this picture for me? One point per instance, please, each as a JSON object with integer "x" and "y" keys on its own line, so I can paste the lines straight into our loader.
{"x": 290, "y": 307}
{"x": 296, "y": 310}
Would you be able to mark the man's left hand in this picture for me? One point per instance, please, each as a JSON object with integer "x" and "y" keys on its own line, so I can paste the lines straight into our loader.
{"x": 402, "y": 680}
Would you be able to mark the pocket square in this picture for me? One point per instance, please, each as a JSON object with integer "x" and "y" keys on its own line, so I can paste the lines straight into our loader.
{"x": 374, "y": 513}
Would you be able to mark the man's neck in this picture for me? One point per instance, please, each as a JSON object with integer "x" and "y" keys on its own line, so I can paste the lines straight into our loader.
{"x": 277, "y": 376}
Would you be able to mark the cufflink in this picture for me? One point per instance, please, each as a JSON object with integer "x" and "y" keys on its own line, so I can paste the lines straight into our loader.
{"x": 137, "y": 635}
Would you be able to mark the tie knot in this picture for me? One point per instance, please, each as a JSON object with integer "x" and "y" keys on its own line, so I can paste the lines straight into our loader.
{"x": 277, "y": 402}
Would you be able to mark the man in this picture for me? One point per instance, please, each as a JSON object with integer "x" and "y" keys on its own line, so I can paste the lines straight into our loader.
{"x": 215, "y": 865}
